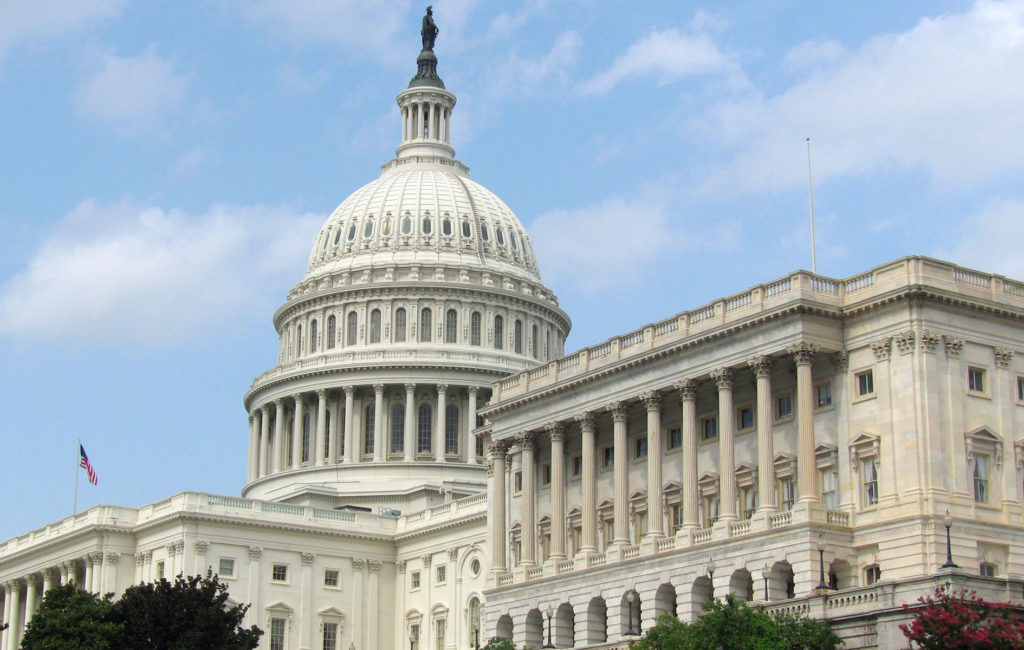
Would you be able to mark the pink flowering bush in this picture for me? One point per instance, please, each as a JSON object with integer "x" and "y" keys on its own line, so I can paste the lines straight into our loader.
{"x": 962, "y": 619}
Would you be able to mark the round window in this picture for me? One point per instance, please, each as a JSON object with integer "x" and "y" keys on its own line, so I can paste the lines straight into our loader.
{"x": 474, "y": 567}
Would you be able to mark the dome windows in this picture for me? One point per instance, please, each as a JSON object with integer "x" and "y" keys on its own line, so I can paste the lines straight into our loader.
{"x": 352, "y": 232}
{"x": 368, "y": 229}
{"x": 483, "y": 232}
{"x": 337, "y": 236}
{"x": 465, "y": 229}
{"x": 512, "y": 240}
{"x": 446, "y": 227}
{"x": 406, "y": 225}
{"x": 400, "y": 325}
{"x": 500, "y": 234}
{"x": 427, "y": 225}
{"x": 385, "y": 228}
{"x": 425, "y": 325}
{"x": 375, "y": 326}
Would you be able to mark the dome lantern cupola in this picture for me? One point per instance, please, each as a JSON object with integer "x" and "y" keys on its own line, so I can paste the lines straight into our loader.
{"x": 425, "y": 105}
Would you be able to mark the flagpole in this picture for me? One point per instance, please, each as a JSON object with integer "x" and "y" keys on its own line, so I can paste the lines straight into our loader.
{"x": 78, "y": 463}
{"x": 810, "y": 192}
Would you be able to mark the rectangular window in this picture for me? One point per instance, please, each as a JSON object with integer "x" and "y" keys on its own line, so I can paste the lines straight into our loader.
{"x": 675, "y": 438}
{"x": 975, "y": 380}
{"x": 279, "y": 573}
{"x": 749, "y": 501}
{"x": 545, "y": 474}
{"x": 577, "y": 465}
{"x": 607, "y": 457}
{"x": 440, "y": 625}
{"x": 609, "y": 532}
{"x": 787, "y": 492}
{"x": 415, "y": 579}
{"x": 576, "y": 539}
{"x": 517, "y": 482}
{"x": 226, "y": 568}
{"x": 829, "y": 482}
{"x": 330, "y": 636}
{"x": 980, "y": 478}
{"x": 159, "y": 570}
{"x": 677, "y": 516}
{"x": 865, "y": 382}
{"x": 331, "y": 578}
{"x": 441, "y": 574}
{"x": 1020, "y": 389}
{"x": 709, "y": 428}
{"x": 640, "y": 447}
{"x": 872, "y": 574}
{"x": 987, "y": 570}
{"x": 710, "y": 510}
{"x": 824, "y": 392}
{"x": 640, "y": 529}
{"x": 869, "y": 476}
{"x": 277, "y": 633}
{"x": 745, "y": 417}
{"x": 784, "y": 406}
{"x": 414, "y": 633}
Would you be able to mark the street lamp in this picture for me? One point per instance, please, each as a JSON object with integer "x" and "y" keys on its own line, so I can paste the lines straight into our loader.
{"x": 765, "y": 572}
{"x": 413, "y": 637}
{"x": 550, "y": 613}
{"x": 711, "y": 575}
{"x": 630, "y": 599}
{"x": 947, "y": 521}
{"x": 821, "y": 565}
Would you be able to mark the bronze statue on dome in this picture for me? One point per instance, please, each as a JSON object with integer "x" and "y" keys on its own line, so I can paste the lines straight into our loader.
{"x": 429, "y": 31}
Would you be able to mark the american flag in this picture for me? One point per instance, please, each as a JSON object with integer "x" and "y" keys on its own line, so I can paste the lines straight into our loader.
{"x": 87, "y": 465}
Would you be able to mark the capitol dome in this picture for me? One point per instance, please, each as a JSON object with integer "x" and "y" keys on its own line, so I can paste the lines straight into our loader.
{"x": 421, "y": 291}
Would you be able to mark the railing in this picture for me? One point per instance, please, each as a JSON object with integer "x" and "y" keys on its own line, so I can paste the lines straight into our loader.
{"x": 282, "y": 509}
{"x": 666, "y": 326}
{"x": 794, "y": 609}
{"x": 781, "y": 519}
{"x": 598, "y": 559}
{"x": 778, "y": 287}
{"x": 540, "y": 371}
{"x": 863, "y": 281}
{"x": 838, "y": 518}
{"x": 738, "y": 302}
{"x": 701, "y": 536}
{"x": 739, "y": 528}
{"x": 601, "y": 350}
{"x": 635, "y": 338}
{"x": 570, "y": 361}
{"x": 630, "y": 552}
{"x": 334, "y": 515}
{"x": 1015, "y": 289}
{"x": 703, "y": 314}
{"x": 228, "y": 502}
{"x": 822, "y": 285}
{"x": 964, "y": 276}
{"x": 667, "y": 544}
{"x": 504, "y": 579}
{"x": 565, "y": 566}
{"x": 863, "y": 599}
{"x": 534, "y": 572}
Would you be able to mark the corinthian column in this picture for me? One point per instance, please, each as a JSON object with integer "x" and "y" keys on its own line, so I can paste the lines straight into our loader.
{"x": 499, "y": 536}
{"x": 762, "y": 367}
{"x": 803, "y": 355}
{"x": 254, "y": 448}
{"x": 278, "y": 452}
{"x": 470, "y": 425}
{"x": 588, "y": 544}
{"x": 726, "y": 443}
{"x": 655, "y": 505}
{"x": 297, "y": 431}
{"x": 688, "y": 394}
{"x": 265, "y": 461}
{"x": 321, "y": 427}
{"x": 528, "y": 445}
{"x": 410, "y": 423}
{"x": 621, "y": 477}
{"x": 378, "y": 423}
{"x": 350, "y": 407}
{"x": 557, "y": 434}
{"x": 440, "y": 433}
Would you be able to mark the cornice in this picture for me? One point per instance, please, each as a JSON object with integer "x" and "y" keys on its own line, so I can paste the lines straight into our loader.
{"x": 435, "y": 527}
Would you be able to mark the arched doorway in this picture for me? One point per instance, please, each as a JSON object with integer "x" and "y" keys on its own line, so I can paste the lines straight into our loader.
{"x": 596, "y": 626}
{"x": 741, "y": 585}
{"x": 504, "y": 628}
{"x": 563, "y": 630}
{"x": 533, "y": 629}
{"x": 665, "y": 600}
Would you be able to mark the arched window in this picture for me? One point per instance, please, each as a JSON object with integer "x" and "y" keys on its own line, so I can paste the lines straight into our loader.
{"x": 400, "y": 325}
{"x": 483, "y": 232}
{"x": 375, "y": 326}
{"x": 352, "y": 328}
{"x": 406, "y": 225}
{"x": 368, "y": 431}
{"x": 465, "y": 229}
{"x": 451, "y": 429}
{"x": 312, "y": 336}
{"x": 446, "y": 226}
{"x": 474, "y": 329}
{"x": 368, "y": 229}
{"x": 298, "y": 340}
{"x": 305, "y": 437}
{"x": 327, "y": 438}
{"x": 451, "y": 326}
{"x": 332, "y": 331}
{"x": 398, "y": 428}
{"x": 499, "y": 332}
{"x": 426, "y": 225}
{"x": 547, "y": 344}
{"x": 425, "y": 325}
{"x": 534, "y": 342}
{"x": 519, "y": 337}
{"x": 424, "y": 429}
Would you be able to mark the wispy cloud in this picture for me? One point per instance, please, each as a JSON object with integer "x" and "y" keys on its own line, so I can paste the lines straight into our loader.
{"x": 129, "y": 273}
{"x": 668, "y": 56}
{"x": 943, "y": 97}
{"x": 990, "y": 240}
{"x": 34, "y": 20}
{"x": 519, "y": 76}
{"x": 132, "y": 95}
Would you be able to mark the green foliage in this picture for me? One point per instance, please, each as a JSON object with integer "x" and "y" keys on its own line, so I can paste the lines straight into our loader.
{"x": 731, "y": 623}
{"x": 189, "y": 613}
{"x": 71, "y": 619}
{"x": 498, "y": 644}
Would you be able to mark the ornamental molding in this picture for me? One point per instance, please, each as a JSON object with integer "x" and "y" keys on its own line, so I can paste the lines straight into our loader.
{"x": 761, "y": 365}
{"x": 954, "y": 345}
{"x": 201, "y": 547}
{"x": 453, "y": 553}
{"x": 426, "y": 560}
{"x": 651, "y": 400}
{"x": 929, "y": 340}
{"x": 905, "y": 342}
{"x": 373, "y": 565}
{"x": 358, "y": 564}
{"x": 882, "y": 348}
{"x": 307, "y": 558}
{"x": 255, "y": 552}
{"x": 983, "y": 440}
{"x": 400, "y": 566}
{"x": 1002, "y": 356}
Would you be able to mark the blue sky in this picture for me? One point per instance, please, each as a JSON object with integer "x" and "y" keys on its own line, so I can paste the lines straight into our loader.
{"x": 166, "y": 166}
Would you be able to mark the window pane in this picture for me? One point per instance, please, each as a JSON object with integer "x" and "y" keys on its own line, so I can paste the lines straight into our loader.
{"x": 425, "y": 427}
{"x": 425, "y": 324}
{"x": 400, "y": 325}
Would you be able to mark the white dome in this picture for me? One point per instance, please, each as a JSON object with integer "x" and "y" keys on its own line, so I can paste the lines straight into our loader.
{"x": 423, "y": 210}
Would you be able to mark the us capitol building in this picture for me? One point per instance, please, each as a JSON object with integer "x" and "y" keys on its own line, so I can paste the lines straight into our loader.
{"x": 428, "y": 469}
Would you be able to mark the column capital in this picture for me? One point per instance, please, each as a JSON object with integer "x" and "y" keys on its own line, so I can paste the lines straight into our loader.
{"x": 722, "y": 378}
{"x": 264, "y": 409}
{"x": 619, "y": 411}
{"x": 803, "y": 353}
{"x": 586, "y": 420}
{"x": 349, "y": 390}
{"x": 279, "y": 404}
{"x": 556, "y": 431}
{"x": 201, "y": 547}
{"x": 842, "y": 360}
{"x": 298, "y": 399}
{"x": 427, "y": 559}
{"x": 651, "y": 400}
{"x": 687, "y": 388}
{"x": 472, "y": 390}
{"x": 113, "y": 557}
{"x": 252, "y": 417}
{"x": 307, "y": 558}
{"x": 321, "y": 394}
{"x": 34, "y": 578}
{"x": 378, "y": 389}
{"x": 500, "y": 447}
{"x": 373, "y": 565}
{"x": 442, "y": 389}
{"x": 528, "y": 440}
{"x": 1003, "y": 356}
{"x": 409, "y": 388}
{"x": 255, "y": 552}
{"x": 761, "y": 365}
{"x": 882, "y": 348}
{"x": 954, "y": 345}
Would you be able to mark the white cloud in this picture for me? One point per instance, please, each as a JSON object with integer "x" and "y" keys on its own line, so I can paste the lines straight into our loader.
{"x": 117, "y": 273}
{"x": 943, "y": 97}
{"x": 990, "y": 240}
{"x": 668, "y": 56}
{"x": 132, "y": 95}
{"x": 26, "y": 21}
{"x": 517, "y": 76}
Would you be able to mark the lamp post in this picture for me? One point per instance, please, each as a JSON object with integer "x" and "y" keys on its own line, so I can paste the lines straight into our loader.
{"x": 711, "y": 575}
{"x": 476, "y": 628}
{"x": 765, "y": 572}
{"x": 550, "y": 613}
{"x": 630, "y": 599}
{"x": 947, "y": 521}
{"x": 413, "y": 637}
{"x": 821, "y": 565}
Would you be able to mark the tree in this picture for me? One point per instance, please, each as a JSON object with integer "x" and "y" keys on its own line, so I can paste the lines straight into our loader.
{"x": 71, "y": 619}
{"x": 962, "y": 619}
{"x": 731, "y": 623}
{"x": 498, "y": 644}
{"x": 191, "y": 612}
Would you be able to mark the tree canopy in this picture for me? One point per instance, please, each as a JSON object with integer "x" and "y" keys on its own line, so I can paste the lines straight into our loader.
{"x": 191, "y": 612}
{"x": 962, "y": 619}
